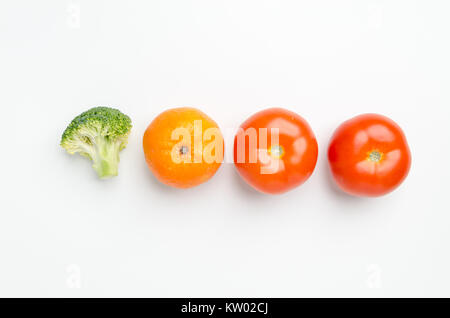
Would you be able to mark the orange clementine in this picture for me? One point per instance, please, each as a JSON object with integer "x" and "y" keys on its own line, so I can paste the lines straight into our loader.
{"x": 183, "y": 147}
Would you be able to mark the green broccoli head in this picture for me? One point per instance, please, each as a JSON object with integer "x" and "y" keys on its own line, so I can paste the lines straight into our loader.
{"x": 98, "y": 134}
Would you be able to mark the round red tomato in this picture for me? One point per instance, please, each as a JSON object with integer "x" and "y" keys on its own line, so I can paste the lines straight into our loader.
{"x": 369, "y": 155}
{"x": 275, "y": 150}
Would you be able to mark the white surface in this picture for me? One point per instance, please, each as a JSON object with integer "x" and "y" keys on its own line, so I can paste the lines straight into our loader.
{"x": 61, "y": 228}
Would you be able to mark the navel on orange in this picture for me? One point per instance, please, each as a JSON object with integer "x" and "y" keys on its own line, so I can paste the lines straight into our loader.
{"x": 183, "y": 147}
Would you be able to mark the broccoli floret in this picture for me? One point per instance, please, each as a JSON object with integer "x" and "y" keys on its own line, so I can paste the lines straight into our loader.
{"x": 98, "y": 134}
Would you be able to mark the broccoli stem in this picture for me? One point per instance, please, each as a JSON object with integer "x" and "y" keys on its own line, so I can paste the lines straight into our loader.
{"x": 106, "y": 157}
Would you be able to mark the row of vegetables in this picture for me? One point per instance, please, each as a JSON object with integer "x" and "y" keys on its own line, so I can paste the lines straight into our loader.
{"x": 275, "y": 150}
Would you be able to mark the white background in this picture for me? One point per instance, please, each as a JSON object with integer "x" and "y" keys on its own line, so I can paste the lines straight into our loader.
{"x": 65, "y": 233}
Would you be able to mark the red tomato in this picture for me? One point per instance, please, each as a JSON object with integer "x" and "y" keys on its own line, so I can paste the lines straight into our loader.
{"x": 369, "y": 155}
{"x": 275, "y": 150}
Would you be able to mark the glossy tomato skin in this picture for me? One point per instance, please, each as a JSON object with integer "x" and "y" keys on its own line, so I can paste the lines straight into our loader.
{"x": 369, "y": 155}
{"x": 279, "y": 166}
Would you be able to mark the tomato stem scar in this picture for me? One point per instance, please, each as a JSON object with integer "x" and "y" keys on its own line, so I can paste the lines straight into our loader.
{"x": 375, "y": 156}
{"x": 276, "y": 151}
